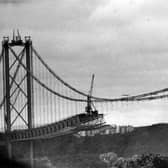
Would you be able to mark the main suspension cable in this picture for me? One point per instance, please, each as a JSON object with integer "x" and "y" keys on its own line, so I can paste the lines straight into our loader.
{"x": 130, "y": 98}
{"x": 55, "y": 75}
{"x": 42, "y": 84}
{"x": 97, "y": 99}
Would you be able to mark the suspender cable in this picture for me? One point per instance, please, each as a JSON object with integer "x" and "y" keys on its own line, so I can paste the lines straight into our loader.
{"x": 59, "y": 105}
{"x": 39, "y": 93}
{"x": 62, "y": 100}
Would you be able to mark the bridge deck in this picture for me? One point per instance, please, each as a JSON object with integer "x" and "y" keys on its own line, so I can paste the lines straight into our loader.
{"x": 67, "y": 126}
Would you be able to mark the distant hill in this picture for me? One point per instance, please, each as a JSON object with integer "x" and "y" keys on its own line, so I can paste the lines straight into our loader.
{"x": 84, "y": 151}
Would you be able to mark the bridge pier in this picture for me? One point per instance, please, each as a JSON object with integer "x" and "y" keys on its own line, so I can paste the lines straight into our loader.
{"x": 9, "y": 149}
{"x": 31, "y": 147}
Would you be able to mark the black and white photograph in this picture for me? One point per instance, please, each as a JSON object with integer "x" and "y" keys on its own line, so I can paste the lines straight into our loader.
{"x": 84, "y": 84}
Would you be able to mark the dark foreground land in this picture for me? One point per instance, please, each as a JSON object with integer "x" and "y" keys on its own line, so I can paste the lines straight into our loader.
{"x": 73, "y": 152}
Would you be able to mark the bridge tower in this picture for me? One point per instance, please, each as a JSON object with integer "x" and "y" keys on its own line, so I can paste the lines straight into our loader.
{"x": 10, "y": 75}
{"x": 13, "y": 83}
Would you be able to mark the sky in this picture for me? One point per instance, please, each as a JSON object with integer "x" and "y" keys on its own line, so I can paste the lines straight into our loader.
{"x": 123, "y": 42}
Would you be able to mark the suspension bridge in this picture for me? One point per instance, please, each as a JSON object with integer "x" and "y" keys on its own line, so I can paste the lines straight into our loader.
{"x": 37, "y": 103}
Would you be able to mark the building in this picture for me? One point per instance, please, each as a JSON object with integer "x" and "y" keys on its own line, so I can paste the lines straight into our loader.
{"x": 125, "y": 129}
{"x": 106, "y": 130}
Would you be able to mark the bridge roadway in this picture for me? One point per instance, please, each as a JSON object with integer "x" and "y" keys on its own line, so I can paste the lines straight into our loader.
{"x": 68, "y": 126}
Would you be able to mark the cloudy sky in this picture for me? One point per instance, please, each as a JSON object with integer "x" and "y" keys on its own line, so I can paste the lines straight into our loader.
{"x": 124, "y": 42}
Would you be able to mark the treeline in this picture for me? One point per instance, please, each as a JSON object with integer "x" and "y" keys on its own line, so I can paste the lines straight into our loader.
{"x": 136, "y": 161}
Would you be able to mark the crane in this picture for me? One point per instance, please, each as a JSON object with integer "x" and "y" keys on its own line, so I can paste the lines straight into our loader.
{"x": 88, "y": 108}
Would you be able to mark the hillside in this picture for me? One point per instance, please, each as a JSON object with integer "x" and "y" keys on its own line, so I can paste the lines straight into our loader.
{"x": 75, "y": 152}
{"x": 152, "y": 139}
